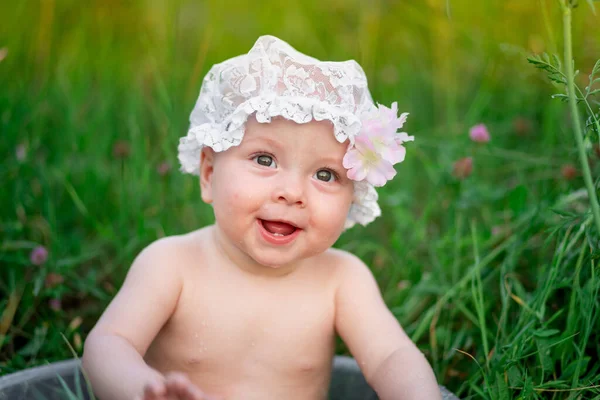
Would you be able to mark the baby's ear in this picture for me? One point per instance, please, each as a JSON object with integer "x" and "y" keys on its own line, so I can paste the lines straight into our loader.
{"x": 207, "y": 160}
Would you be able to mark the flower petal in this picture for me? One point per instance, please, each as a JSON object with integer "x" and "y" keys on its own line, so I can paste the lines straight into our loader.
{"x": 376, "y": 178}
{"x": 394, "y": 154}
{"x": 402, "y": 119}
{"x": 402, "y": 137}
{"x": 352, "y": 158}
{"x": 387, "y": 169}
{"x": 381, "y": 173}
{"x": 364, "y": 144}
{"x": 358, "y": 173}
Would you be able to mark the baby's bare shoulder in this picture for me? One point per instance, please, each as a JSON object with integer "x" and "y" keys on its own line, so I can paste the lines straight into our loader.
{"x": 150, "y": 293}
{"x": 177, "y": 249}
{"x": 344, "y": 264}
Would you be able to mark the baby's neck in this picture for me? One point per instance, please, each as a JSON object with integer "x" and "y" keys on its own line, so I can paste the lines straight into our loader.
{"x": 240, "y": 260}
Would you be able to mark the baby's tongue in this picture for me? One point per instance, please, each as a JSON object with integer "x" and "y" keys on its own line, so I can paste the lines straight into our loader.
{"x": 278, "y": 227}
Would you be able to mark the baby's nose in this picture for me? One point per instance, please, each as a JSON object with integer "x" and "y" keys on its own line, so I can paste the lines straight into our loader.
{"x": 290, "y": 190}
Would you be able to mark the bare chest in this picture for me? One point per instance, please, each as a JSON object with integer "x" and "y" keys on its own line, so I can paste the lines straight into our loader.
{"x": 242, "y": 331}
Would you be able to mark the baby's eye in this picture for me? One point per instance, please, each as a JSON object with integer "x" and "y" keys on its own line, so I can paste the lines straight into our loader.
{"x": 325, "y": 175}
{"x": 265, "y": 161}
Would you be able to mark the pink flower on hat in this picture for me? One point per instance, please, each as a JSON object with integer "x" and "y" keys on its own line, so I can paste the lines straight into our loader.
{"x": 363, "y": 162}
{"x": 377, "y": 147}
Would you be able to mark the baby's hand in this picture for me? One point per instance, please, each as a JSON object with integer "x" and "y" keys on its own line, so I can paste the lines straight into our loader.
{"x": 176, "y": 386}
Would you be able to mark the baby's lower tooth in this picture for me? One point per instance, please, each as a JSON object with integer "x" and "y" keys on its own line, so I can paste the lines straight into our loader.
{"x": 278, "y": 234}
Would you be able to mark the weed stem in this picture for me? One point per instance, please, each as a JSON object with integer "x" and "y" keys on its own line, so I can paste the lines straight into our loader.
{"x": 587, "y": 175}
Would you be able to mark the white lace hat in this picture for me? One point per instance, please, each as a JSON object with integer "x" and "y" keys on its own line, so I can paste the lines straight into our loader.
{"x": 272, "y": 80}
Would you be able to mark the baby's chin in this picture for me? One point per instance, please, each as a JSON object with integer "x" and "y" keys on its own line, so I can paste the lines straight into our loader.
{"x": 283, "y": 261}
{"x": 277, "y": 262}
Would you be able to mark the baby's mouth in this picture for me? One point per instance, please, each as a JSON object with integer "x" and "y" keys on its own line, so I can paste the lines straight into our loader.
{"x": 278, "y": 228}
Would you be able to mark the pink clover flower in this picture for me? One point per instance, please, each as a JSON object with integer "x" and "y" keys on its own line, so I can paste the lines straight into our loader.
{"x": 479, "y": 134}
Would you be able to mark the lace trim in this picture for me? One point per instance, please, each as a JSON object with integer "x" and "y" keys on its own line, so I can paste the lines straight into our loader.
{"x": 364, "y": 208}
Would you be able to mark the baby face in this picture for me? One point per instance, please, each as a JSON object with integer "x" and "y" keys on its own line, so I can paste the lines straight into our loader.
{"x": 282, "y": 195}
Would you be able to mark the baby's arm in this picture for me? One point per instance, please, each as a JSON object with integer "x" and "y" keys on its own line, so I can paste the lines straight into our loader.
{"x": 114, "y": 349}
{"x": 390, "y": 361}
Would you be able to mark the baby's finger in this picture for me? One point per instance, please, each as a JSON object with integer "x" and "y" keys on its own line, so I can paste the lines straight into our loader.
{"x": 177, "y": 383}
{"x": 193, "y": 393}
{"x": 181, "y": 385}
{"x": 154, "y": 391}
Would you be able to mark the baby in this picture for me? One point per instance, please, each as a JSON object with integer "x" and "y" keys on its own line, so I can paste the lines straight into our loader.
{"x": 288, "y": 150}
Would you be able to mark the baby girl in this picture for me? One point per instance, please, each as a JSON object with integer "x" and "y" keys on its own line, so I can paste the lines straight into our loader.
{"x": 288, "y": 150}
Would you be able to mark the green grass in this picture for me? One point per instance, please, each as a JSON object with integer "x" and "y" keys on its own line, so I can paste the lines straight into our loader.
{"x": 495, "y": 276}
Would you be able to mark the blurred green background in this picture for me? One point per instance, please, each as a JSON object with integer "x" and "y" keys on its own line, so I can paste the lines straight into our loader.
{"x": 498, "y": 291}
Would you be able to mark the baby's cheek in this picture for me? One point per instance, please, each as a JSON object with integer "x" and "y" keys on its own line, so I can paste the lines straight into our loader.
{"x": 242, "y": 197}
{"x": 331, "y": 221}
